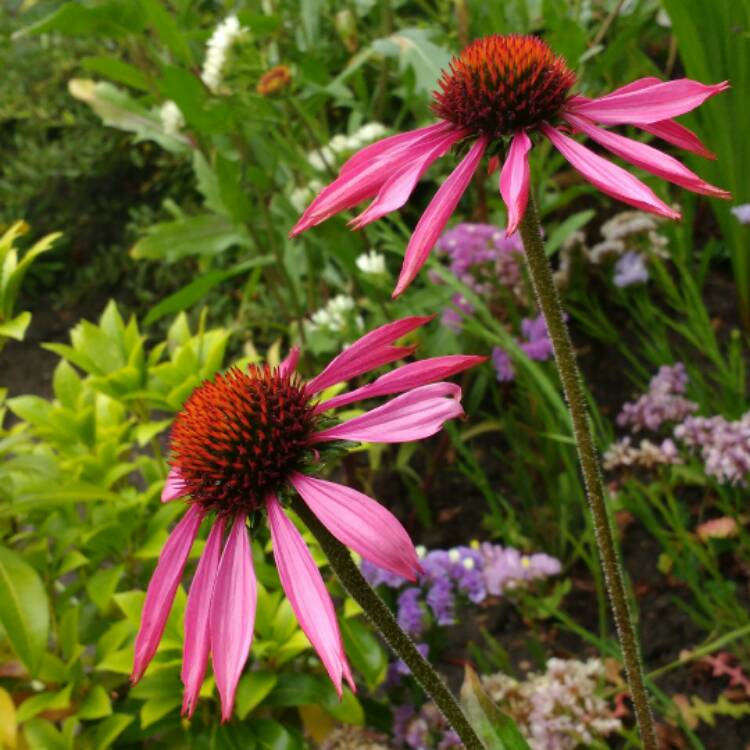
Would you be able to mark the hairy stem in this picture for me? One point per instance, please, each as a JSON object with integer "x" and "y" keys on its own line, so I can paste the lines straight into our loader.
{"x": 549, "y": 303}
{"x": 382, "y": 618}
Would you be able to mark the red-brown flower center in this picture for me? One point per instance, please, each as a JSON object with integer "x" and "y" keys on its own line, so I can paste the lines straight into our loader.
{"x": 500, "y": 84}
{"x": 239, "y": 436}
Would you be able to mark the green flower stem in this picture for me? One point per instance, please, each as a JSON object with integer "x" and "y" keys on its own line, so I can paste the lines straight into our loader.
{"x": 382, "y": 618}
{"x": 549, "y": 303}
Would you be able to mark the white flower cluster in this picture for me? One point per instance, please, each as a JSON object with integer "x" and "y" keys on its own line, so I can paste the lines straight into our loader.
{"x": 172, "y": 120}
{"x": 371, "y": 263}
{"x": 335, "y": 315}
{"x": 559, "y": 709}
{"x": 647, "y": 455}
{"x": 301, "y": 197}
{"x": 329, "y": 156}
{"x": 630, "y": 237}
{"x": 217, "y": 47}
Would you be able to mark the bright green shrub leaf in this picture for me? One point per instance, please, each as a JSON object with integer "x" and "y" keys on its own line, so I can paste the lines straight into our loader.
{"x": 131, "y": 604}
{"x": 96, "y": 704}
{"x": 111, "y": 18}
{"x": 117, "y": 70}
{"x": 66, "y": 385}
{"x": 68, "y": 630}
{"x": 348, "y": 710}
{"x": 295, "y": 690}
{"x": 157, "y": 708}
{"x": 110, "y": 729}
{"x": 41, "y": 734}
{"x": 44, "y": 702}
{"x": 102, "y": 585}
{"x": 16, "y": 327}
{"x": 496, "y": 729}
{"x": 168, "y": 31}
{"x": 119, "y": 662}
{"x": 271, "y": 735}
{"x": 24, "y": 612}
{"x": 252, "y": 689}
{"x": 364, "y": 651}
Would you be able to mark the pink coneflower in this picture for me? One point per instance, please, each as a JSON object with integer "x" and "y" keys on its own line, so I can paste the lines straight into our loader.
{"x": 507, "y": 87}
{"x": 240, "y": 443}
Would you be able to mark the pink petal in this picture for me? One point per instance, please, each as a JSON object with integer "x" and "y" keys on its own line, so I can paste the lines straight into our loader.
{"x": 289, "y": 365}
{"x": 646, "y": 157}
{"x": 609, "y": 178}
{"x": 232, "y": 614}
{"x": 434, "y": 219}
{"x": 360, "y": 523}
{"x": 197, "y": 632}
{"x": 307, "y": 594}
{"x": 174, "y": 486}
{"x": 514, "y": 180}
{"x": 373, "y": 350}
{"x": 411, "y": 416}
{"x": 162, "y": 589}
{"x": 647, "y": 104}
{"x": 362, "y": 177}
{"x": 405, "y": 378}
{"x": 678, "y": 135}
{"x": 384, "y": 147}
{"x": 400, "y": 186}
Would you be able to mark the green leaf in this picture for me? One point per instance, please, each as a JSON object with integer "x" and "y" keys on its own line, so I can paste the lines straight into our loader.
{"x": 16, "y": 328}
{"x": 561, "y": 232}
{"x": 348, "y": 710}
{"x": 66, "y": 385}
{"x": 24, "y": 612}
{"x": 157, "y": 708}
{"x": 206, "y": 234}
{"x": 197, "y": 290}
{"x": 274, "y": 736}
{"x": 413, "y": 49}
{"x": 111, "y": 18}
{"x": 295, "y": 690}
{"x": 41, "y": 734}
{"x": 96, "y": 704}
{"x": 252, "y": 689}
{"x": 364, "y": 650}
{"x": 496, "y": 729}
{"x": 169, "y": 32}
{"x": 118, "y": 109}
{"x": 110, "y": 729}
{"x": 117, "y": 70}
{"x": 44, "y": 702}
{"x": 103, "y": 584}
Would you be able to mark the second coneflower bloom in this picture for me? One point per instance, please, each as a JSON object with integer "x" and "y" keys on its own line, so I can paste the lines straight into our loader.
{"x": 241, "y": 443}
{"x": 497, "y": 93}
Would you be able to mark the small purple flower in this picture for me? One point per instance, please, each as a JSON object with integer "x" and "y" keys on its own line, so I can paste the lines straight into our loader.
{"x": 538, "y": 345}
{"x": 505, "y": 568}
{"x": 410, "y": 615}
{"x": 376, "y": 576}
{"x": 442, "y": 601}
{"x": 503, "y": 365}
{"x": 742, "y": 213}
{"x": 663, "y": 402}
{"x": 630, "y": 269}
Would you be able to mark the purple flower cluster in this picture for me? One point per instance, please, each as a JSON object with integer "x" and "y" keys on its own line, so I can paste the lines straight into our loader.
{"x": 663, "y": 402}
{"x": 505, "y": 568}
{"x": 423, "y": 729}
{"x": 535, "y": 344}
{"x": 724, "y": 446}
{"x": 483, "y": 258}
{"x": 630, "y": 269}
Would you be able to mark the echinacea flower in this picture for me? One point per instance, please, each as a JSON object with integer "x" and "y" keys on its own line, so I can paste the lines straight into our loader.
{"x": 244, "y": 440}
{"x": 506, "y": 88}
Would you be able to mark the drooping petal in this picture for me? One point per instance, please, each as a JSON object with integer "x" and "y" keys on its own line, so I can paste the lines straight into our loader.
{"x": 514, "y": 180}
{"x": 396, "y": 191}
{"x": 362, "y": 178}
{"x": 372, "y": 350}
{"x": 289, "y": 365}
{"x": 405, "y": 378}
{"x": 609, "y": 178}
{"x": 678, "y": 135}
{"x": 162, "y": 589}
{"x": 307, "y": 594}
{"x": 646, "y": 157}
{"x": 647, "y": 104}
{"x": 232, "y": 614}
{"x": 411, "y": 416}
{"x": 435, "y": 217}
{"x": 174, "y": 486}
{"x": 197, "y": 632}
{"x": 385, "y": 146}
{"x": 361, "y": 523}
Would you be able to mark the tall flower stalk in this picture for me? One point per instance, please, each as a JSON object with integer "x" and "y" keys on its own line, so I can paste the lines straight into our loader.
{"x": 497, "y": 95}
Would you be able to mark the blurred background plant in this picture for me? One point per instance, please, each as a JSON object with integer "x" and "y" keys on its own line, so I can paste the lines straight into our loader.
{"x": 175, "y": 142}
